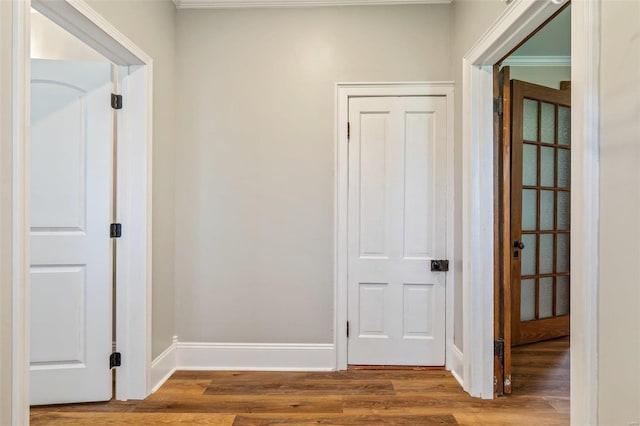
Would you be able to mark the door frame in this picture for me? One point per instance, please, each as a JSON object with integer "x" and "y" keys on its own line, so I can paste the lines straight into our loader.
{"x": 133, "y": 177}
{"x": 519, "y": 20}
{"x": 344, "y": 91}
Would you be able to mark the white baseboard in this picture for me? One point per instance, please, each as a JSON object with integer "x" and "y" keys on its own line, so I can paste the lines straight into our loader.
{"x": 255, "y": 356}
{"x": 240, "y": 356}
{"x": 457, "y": 364}
{"x": 163, "y": 367}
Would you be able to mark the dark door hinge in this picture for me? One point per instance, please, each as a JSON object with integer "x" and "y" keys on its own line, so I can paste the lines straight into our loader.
{"x": 116, "y": 101}
{"x": 115, "y": 360}
{"x": 347, "y": 328}
{"x": 498, "y": 349}
{"x": 497, "y": 106}
{"x": 348, "y": 130}
{"x": 116, "y": 230}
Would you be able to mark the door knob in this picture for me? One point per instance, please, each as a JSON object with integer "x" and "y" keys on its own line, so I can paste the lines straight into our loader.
{"x": 518, "y": 244}
{"x": 440, "y": 265}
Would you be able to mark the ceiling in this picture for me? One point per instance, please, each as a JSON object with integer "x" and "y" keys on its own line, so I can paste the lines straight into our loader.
{"x": 213, "y": 4}
{"x": 553, "y": 40}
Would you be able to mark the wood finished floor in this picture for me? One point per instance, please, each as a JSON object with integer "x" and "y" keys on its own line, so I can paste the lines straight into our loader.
{"x": 354, "y": 397}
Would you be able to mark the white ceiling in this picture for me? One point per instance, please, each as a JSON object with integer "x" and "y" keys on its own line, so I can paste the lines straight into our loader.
{"x": 213, "y": 4}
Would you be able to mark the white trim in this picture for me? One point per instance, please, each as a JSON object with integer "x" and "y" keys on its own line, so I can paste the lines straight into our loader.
{"x": 457, "y": 364}
{"x": 585, "y": 211}
{"x": 20, "y": 212}
{"x": 6, "y": 231}
{"x": 134, "y": 168}
{"x": 79, "y": 19}
{"x": 163, "y": 366}
{"x": 255, "y": 356}
{"x": 217, "y": 4}
{"x": 538, "y": 61}
{"x": 134, "y": 250}
{"x": 517, "y": 22}
{"x": 343, "y": 92}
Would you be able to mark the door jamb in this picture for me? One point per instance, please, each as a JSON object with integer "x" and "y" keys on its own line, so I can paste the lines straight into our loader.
{"x": 134, "y": 200}
{"x": 343, "y": 92}
{"x": 517, "y": 22}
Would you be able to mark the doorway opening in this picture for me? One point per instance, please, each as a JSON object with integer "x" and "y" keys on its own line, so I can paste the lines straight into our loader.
{"x": 532, "y": 131}
{"x": 72, "y": 204}
{"x": 412, "y": 309}
{"x": 132, "y": 174}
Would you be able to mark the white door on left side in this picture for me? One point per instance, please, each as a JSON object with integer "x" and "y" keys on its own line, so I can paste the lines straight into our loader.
{"x": 71, "y": 201}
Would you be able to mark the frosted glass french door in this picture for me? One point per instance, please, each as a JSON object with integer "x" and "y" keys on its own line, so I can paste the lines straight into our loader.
{"x": 540, "y": 212}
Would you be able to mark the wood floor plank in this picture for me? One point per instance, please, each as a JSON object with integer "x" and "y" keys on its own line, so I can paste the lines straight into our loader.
{"x": 305, "y": 388}
{"x": 378, "y": 375}
{"x": 407, "y": 420}
{"x": 92, "y": 407}
{"x": 448, "y": 386}
{"x": 423, "y": 404}
{"x": 519, "y": 419}
{"x": 141, "y": 419}
{"x": 240, "y": 376}
{"x": 246, "y": 404}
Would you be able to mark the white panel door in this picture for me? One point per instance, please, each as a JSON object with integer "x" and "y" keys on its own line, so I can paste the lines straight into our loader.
{"x": 71, "y": 187}
{"x": 397, "y": 214}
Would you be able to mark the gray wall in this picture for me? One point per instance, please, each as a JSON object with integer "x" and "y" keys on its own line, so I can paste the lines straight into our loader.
{"x": 255, "y": 158}
{"x": 471, "y": 18}
{"x": 151, "y": 25}
{"x": 619, "y": 293}
{"x": 50, "y": 41}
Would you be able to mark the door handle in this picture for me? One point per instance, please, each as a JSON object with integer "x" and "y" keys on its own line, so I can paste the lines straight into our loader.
{"x": 518, "y": 244}
{"x": 439, "y": 265}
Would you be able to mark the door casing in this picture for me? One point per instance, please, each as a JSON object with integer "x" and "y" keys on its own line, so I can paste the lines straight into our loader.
{"x": 343, "y": 92}
{"x": 518, "y": 21}
{"x": 133, "y": 177}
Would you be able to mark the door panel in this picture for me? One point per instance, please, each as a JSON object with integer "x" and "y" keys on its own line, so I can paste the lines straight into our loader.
{"x": 70, "y": 186}
{"x": 397, "y": 207}
{"x": 540, "y": 211}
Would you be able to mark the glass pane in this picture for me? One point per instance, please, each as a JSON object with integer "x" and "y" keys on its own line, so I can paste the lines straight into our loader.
{"x": 547, "y": 199}
{"x": 564, "y": 210}
{"x": 530, "y": 120}
{"x": 529, "y": 209}
{"x": 529, "y": 164}
{"x": 527, "y": 300}
{"x": 546, "y": 253}
{"x": 545, "y": 298}
{"x": 562, "y": 263}
{"x": 548, "y": 123}
{"x": 564, "y": 125}
{"x": 564, "y": 168}
{"x": 547, "y": 166}
{"x": 528, "y": 264}
{"x": 562, "y": 295}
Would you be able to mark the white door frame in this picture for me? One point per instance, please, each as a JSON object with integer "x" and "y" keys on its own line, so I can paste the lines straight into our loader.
{"x": 133, "y": 177}
{"x": 517, "y": 22}
{"x": 344, "y": 91}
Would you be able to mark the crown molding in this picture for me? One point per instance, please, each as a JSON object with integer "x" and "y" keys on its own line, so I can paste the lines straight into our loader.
{"x": 538, "y": 61}
{"x": 226, "y": 4}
